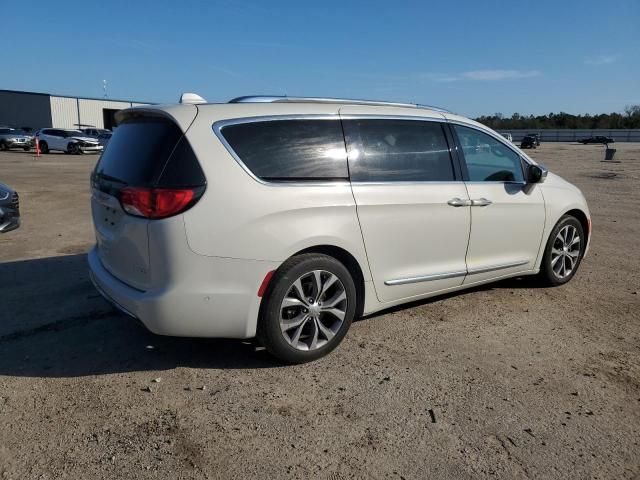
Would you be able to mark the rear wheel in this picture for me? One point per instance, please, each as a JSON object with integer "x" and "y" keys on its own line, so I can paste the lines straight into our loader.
{"x": 563, "y": 252}
{"x": 309, "y": 307}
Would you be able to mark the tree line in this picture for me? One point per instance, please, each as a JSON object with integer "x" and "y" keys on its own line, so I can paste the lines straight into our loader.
{"x": 629, "y": 119}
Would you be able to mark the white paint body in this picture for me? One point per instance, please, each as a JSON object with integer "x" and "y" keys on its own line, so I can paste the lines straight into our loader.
{"x": 201, "y": 271}
{"x": 61, "y": 144}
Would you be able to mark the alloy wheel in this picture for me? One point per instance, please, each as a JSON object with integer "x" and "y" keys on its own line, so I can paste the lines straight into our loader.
{"x": 313, "y": 310}
{"x": 565, "y": 251}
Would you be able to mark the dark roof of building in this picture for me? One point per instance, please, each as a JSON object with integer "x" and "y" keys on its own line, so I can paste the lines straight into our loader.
{"x": 71, "y": 96}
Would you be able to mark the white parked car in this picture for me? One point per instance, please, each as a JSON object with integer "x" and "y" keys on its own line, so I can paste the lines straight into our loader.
{"x": 68, "y": 141}
{"x": 285, "y": 218}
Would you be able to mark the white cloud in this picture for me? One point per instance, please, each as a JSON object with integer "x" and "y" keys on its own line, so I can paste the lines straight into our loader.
{"x": 440, "y": 77}
{"x": 481, "y": 75}
{"x": 601, "y": 59}
{"x": 500, "y": 74}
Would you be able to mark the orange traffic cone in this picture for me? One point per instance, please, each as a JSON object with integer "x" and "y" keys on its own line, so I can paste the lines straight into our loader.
{"x": 37, "y": 148}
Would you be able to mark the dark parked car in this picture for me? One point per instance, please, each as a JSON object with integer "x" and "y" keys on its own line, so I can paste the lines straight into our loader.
{"x": 14, "y": 138}
{"x": 9, "y": 209}
{"x": 536, "y": 137}
{"x": 528, "y": 142}
{"x": 103, "y": 138}
{"x": 597, "y": 139}
{"x": 94, "y": 132}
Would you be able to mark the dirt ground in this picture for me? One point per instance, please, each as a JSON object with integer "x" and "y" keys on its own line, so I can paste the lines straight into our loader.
{"x": 508, "y": 381}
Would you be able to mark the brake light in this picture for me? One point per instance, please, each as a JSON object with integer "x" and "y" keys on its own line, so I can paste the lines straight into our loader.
{"x": 155, "y": 202}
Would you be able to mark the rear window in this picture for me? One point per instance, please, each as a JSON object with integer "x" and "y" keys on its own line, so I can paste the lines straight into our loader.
{"x": 289, "y": 150}
{"x": 150, "y": 152}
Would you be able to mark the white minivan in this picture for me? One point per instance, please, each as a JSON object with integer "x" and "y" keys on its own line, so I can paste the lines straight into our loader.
{"x": 284, "y": 218}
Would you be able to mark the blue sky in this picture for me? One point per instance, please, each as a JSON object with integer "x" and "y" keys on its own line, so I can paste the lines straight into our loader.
{"x": 474, "y": 57}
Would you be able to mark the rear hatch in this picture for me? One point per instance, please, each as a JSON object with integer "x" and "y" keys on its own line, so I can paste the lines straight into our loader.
{"x": 148, "y": 153}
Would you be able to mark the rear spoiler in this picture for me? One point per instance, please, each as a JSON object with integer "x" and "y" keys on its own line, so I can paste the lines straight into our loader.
{"x": 182, "y": 115}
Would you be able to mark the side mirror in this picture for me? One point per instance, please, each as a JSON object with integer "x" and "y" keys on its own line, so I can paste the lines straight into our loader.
{"x": 536, "y": 174}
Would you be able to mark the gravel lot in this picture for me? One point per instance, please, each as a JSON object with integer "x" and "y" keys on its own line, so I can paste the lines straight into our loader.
{"x": 507, "y": 381}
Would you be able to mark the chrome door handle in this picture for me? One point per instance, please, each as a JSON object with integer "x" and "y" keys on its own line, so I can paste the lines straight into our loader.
{"x": 458, "y": 202}
{"x": 480, "y": 202}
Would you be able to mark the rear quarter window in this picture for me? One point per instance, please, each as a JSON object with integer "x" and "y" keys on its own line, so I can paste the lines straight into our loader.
{"x": 289, "y": 150}
{"x": 150, "y": 152}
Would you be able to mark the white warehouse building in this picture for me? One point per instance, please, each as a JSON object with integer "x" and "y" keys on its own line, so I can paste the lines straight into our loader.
{"x": 39, "y": 110}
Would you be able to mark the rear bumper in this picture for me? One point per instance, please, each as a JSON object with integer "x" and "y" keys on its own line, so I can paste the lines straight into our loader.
{"x": 218, "y": 298}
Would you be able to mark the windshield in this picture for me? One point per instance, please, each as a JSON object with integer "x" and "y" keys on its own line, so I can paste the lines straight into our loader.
{"x": 12, "y": 131}
{"x": 74, "y": 133}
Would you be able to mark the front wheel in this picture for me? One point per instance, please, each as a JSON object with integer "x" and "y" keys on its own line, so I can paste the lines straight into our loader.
{"x": 44, "y": 147}
{"x": 564, "y": 251}
{"x": 309, "y": 307}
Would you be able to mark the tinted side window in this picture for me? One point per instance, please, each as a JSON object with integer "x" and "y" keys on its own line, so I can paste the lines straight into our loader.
{"x": 283, "y": 150}
{"x": 397, "y": 150}
{"x": 488, "y": 159}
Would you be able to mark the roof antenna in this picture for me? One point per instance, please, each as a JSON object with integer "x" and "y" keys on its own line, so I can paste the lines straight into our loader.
{"x": 191, "y": 98}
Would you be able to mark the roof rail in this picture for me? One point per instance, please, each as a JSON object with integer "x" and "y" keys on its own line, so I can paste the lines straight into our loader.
{"x": 277, "y": 98}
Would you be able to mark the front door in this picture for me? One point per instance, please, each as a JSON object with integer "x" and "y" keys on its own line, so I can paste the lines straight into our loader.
{"x": 56, "y": 140}
{"x": 411, "y": 203}
{"x": 507, "y": 215}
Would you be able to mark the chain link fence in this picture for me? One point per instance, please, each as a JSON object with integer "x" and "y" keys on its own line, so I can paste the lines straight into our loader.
{"x": 569, "y": 135}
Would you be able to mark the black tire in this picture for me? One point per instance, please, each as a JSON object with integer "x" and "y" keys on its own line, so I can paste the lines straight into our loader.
{"x": 44, "y": 148}
{"x": 73, "y": 149}
{"x": 26, "y": 149}
{"x": 3, "y": 146}
{"x": 269, "y": 330}
{"x": 548, "y": 276}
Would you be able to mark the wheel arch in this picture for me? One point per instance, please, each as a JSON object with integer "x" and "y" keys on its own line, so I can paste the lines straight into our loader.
{"x": 350, "y": 262}
{"x": 583, "y": 219}
{"x": 347, "y": 259}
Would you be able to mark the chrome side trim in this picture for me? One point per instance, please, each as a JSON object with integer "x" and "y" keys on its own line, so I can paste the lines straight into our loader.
{"x": 461, "y": 273}
{"x": 497, "y": 267}
{"x": 406, "y": 182}
{"x": 375, "y": 116}
{"x": 425, "y": 278}
{"x": 219, "y": 125}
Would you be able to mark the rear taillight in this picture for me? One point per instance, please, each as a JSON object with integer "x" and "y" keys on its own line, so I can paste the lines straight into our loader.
{"x": 156, "y": 202}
